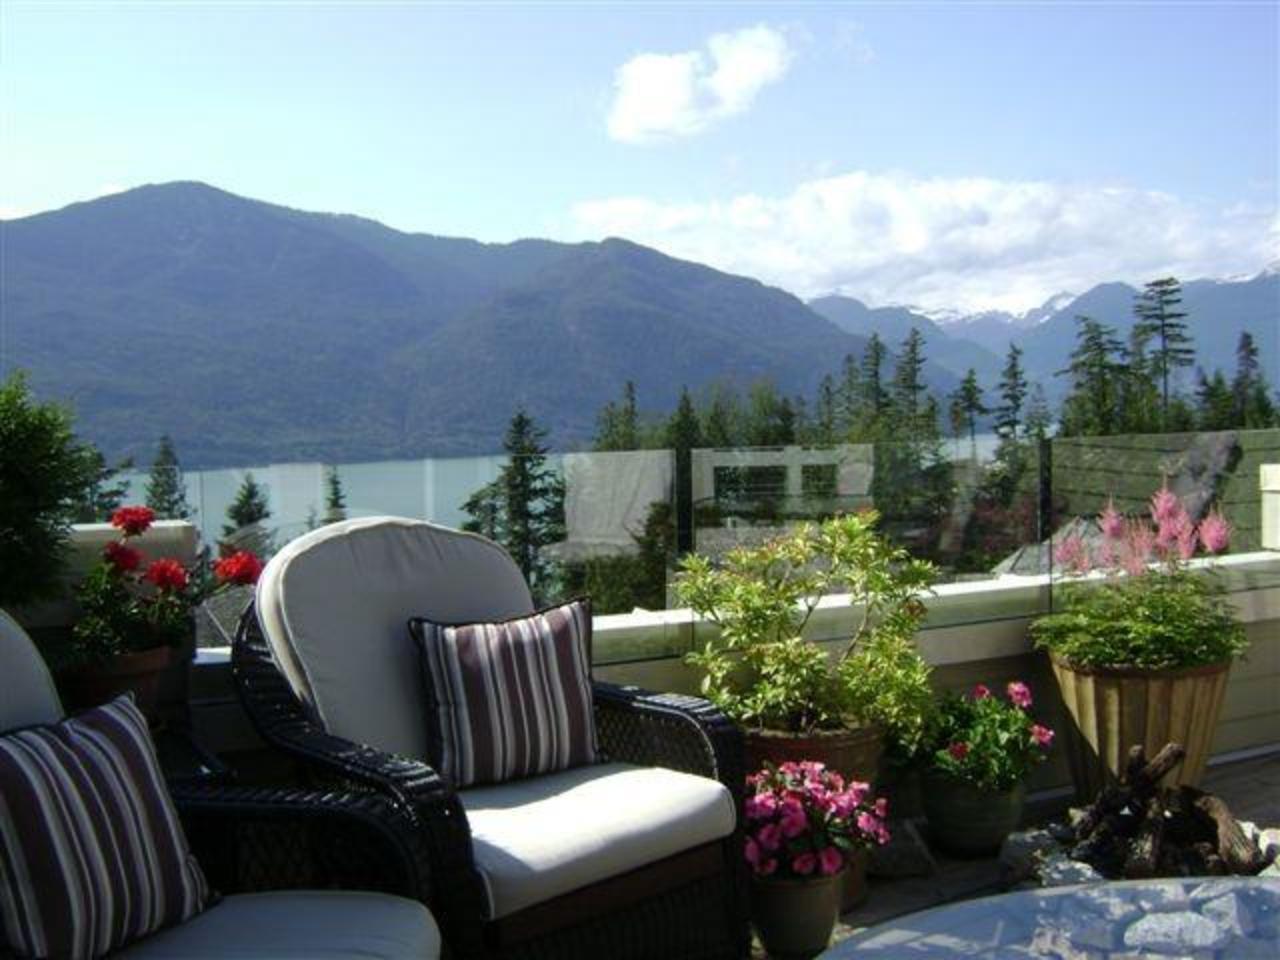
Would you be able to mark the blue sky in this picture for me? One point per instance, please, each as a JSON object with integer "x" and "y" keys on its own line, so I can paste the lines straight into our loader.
{"x": 947, "y": 155}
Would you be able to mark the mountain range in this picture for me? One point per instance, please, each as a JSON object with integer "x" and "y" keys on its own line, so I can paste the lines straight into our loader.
{"x": 252, "y": 332}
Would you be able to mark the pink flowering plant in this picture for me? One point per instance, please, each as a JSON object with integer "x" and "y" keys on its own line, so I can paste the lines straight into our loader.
{"x": 989, "y": 741}
{"x": 130, "y": 602}
{"x": 1151, "y": 609}
{"x": 804, "y": 820}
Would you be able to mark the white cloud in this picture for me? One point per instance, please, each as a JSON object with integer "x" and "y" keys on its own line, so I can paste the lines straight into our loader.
{"x": 970, "y": 243}
{"x": 658, "y": 96}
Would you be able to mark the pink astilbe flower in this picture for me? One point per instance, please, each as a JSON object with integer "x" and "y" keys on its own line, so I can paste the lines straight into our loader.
{"x": 1073, "y": 554}
{"x": 1110, "y": 522}
{"x": 1176, "y": 527}
{"x": 1164, "y": 505}
{"x": 1137, "y": 547}
{"x": 1215, "y": 532}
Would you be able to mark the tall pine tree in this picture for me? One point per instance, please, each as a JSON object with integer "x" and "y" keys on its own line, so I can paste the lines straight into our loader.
{"x": 1159, "y": 320}
{"x": 618, "y": 427}
{"x": 1013, "y": 394}
{"x": 967, "y": 406}
{"x": 166, "y": 489}
{"x": 335, "y": 501}
{"x": 1092, "y": 406}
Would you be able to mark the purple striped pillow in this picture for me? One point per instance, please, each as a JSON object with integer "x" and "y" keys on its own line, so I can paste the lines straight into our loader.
{"x": 92, "y": 854}
{"x": 509, "y": 699}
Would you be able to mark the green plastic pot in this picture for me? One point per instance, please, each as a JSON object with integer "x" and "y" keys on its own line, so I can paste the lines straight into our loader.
{"x": 794, "y": 917}
{"x": 966, "y": 820}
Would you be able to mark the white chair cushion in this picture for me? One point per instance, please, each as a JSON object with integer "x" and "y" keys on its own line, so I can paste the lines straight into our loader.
{"x": 27, "y": 694}
{"x": 335, "y": 604}
{"x": 538, "y": 838}
{"x": 299, "y": 925}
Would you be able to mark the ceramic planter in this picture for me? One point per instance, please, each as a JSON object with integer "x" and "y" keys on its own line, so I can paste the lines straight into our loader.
{"x": 794, "y": 917}
{"x": 140, "y": 672}
{"x": 966, "y": 820}
{"x": 1113, "y": 708}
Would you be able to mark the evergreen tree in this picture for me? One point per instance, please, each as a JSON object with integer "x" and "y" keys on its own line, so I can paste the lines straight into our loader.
{"x": 967, "y": 407}
{"x": 683, "y": 435}
{"x": 1092, "y": 406}
{"x": 335, "y": 501}
{"x": 246, "y": 515}
{"x": 523, "y": 509}
{"x": 770, "y": 418}
{"x": 1215, "y": 403}
{"x": 1139, "y": 398}
{"x": 618, "y": 427}
{"x": 909, "y": 387}
{"x": 1013, "y": 394}
{"x": 1159, "y": 320}
{"x": 105, "y": 490}
{"x": 826, "y": 412}
{"x": 1252, "y": 404}
{"x": 1039, "y": 418}
{"x": 166, "y": 491}
{"x": 720, "y": 423}
{"x": 850, "y": 397}
{"x": 874, "y": 402}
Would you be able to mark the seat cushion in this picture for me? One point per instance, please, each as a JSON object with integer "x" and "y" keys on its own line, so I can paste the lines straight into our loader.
{"x": 92, "y": 854}
{"x": 299, "y": 925}
{"x": 511, "y": 699}
{"x": 538, "y": 838}
{"x": 333, "y": 605}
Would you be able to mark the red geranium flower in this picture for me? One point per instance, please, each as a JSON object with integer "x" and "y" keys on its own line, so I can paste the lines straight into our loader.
{"x": 241, "y": 567}
{"x": 167, "y": 574}
{"x": 133, "y": 520}
{"x": 122, "y": 556}
{"x": 958, "y": 750}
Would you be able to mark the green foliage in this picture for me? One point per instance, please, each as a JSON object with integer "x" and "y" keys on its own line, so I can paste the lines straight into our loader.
{"x": 1013, "y": 392}
{"x": 245, "y": 518}
{"x": 117, "y": 616}
{"x": 166, "y": 492}
{"x": 44, "y": 473}
{"x": 1092, "y": 408}
{"x": 985, "y": 740}
{"x": 523, "y": 509}
{"x": 761, "y": 671}
{"x": 618, "y": 425}
{"x": 619, "y": 584}
{"x": 335, "y": 501}
{"x": 1160, "y": 618}
{"x": 104, "y": 491}
{"x": 1158, "y": 318}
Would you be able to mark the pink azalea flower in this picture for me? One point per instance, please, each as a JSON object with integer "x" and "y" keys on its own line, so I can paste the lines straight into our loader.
{"x": 770, "y": 835}
{"x": 804, "y": 864}
{"x": 868, "y": 823}
{"x": 751, "y": 850}
{"x": 1110, "y": 522}
{"x": 981, "y": 692}
{"x": 766, "y": 867}
{"x": 1019, "y": 694}
{"x": 1043, "y": 736}
{"x": 793, "y": 822}
{"x": 881, "y": 807}
{"x": 760, "y": 806}
{"x": 1215, "y": 532}
{"x": 858, "y": 791}
{"x": 830, "y": 861}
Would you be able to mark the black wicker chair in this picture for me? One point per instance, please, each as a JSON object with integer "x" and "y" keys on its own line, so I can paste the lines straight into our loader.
{"x": 690, "y": 905}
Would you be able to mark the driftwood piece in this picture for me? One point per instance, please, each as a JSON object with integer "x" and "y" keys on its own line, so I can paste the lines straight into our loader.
{"x": 1238, "y": 853}
{"x": 1143, "y": 859}
{"x": 1142, "y": 780}
{"x": 1148, "y": 779}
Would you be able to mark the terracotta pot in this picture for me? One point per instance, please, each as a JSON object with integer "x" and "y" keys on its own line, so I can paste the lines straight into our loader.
{"x": 140, "y": 672}
{"x": 966, "y": 820}
{"x": 794, "y": 917}
{"x": 854, "y": 754}
{"x": 1111, "y": 709}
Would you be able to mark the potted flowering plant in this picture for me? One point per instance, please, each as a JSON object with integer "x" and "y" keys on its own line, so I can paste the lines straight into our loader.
{"x": 134, "y": 612}
{"x": 975, "y": 784}
{"x": 793, "y": 699}
{"x": 1139, "y": 626}
{"x": 807, "y": 829}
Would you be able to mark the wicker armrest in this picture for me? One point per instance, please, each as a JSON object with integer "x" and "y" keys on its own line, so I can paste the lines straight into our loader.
{"x": 669, "y": 730}
{"x": 249, "y": 838}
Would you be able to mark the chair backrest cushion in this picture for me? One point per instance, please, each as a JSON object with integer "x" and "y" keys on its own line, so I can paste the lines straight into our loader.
{"x": 510, "y": 699}
{"x": 27, "y": 693}
{"x": 335, "y": 604}
{"x": 92, "y": 855}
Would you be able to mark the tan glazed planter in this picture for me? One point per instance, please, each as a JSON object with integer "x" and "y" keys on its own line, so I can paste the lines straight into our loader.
{"x": 853, "y": 753}
{"x": 1111, "y": 709}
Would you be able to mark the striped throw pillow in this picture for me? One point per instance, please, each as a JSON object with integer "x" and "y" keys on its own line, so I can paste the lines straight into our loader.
{"x": 92, "y": 854}
{"x": 509, "y": 699}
